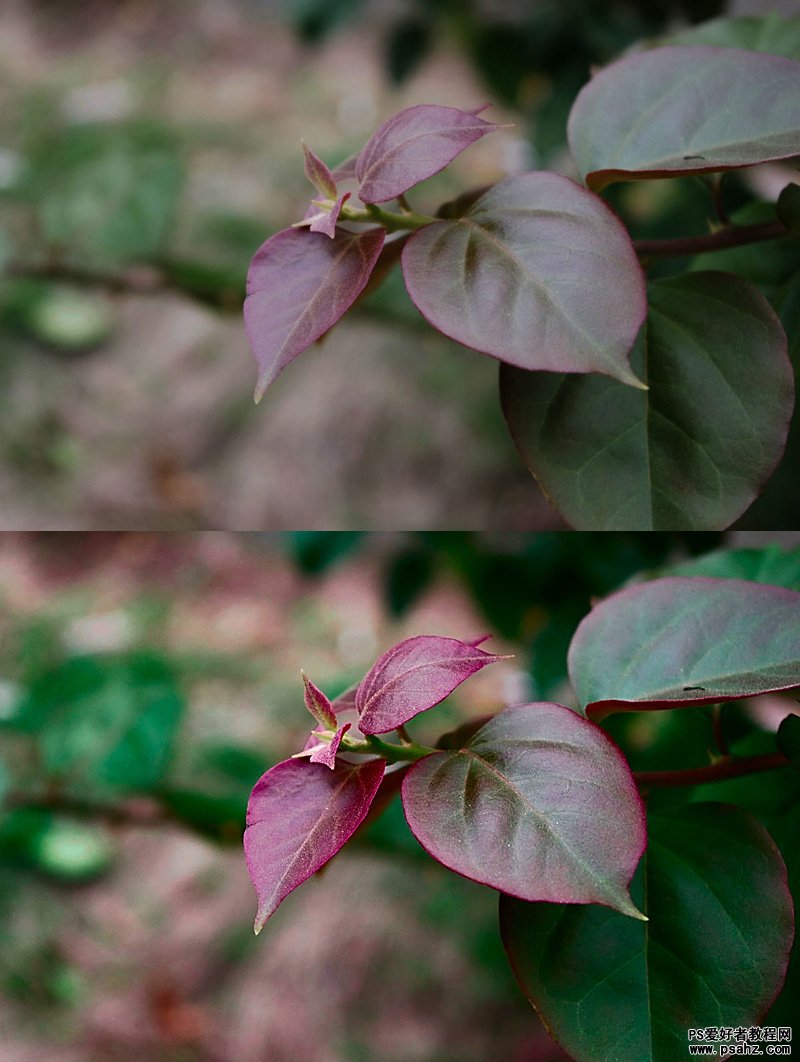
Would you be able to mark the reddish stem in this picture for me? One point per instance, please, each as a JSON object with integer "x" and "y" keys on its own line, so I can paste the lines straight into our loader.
{"x": 730, "y": 767}
{"x": 734, "y": 236}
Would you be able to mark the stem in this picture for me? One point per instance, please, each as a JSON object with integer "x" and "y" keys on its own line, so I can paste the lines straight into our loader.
{"x": 719, "y": 730}
{"x": 729, "y": 767}
{"x": 716, "y": 195}
{"x": 733, "y": 236}
{"x": 373, "y": 745}
{"x": 406, "y": 221}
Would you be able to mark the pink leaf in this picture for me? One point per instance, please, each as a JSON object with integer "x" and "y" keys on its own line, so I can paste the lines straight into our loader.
{"x": 299, "y": 285}
{"x": 346, "y": 170}
{"x": 539, "y": 803}
{"x": 319, "y": 174}
{"x": 299, "y": 816}
{"x": 318, "y": 704}
{"x": 537, "y": 272}
{"x": 413, "y": 145}
{"x": 345, "y": 701}
{"x": 414, "y": 676}
{"x": 325, "y": 221}
{"x": 325, "y": 752}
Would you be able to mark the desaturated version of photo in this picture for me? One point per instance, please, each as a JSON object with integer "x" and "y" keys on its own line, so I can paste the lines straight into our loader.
{"x": 509, "y": 266}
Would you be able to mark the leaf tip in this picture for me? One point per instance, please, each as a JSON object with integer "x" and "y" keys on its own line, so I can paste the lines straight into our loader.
{"x": 627, "y": 376}
{"x": 263, "y": 382}
{"x": 629, "y": 908}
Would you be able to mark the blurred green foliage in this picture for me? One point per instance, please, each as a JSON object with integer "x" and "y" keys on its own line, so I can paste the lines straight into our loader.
{"x": 105, "y": 194}
{"x": 91, "y": 203}
{"x": 531, "y": 588}
{"x": 532, "y": 55}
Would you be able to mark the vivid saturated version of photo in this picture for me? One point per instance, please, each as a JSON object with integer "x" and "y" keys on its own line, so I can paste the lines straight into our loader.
{"x": 399, "y": 795}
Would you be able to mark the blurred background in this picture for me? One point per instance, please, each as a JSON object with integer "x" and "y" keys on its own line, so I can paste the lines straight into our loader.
{"x": 147, "y": 148}
{"x": 148, "y": 680}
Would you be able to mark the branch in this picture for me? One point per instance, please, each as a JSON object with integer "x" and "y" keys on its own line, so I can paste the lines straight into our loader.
{"x": 728, "y": 767}
{"x": 136, "y": 811}
{"x": 136, "y": 280}
{"x": 734, "y": 236}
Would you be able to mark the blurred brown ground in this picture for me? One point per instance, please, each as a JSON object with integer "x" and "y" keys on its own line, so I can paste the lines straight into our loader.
{"x": 386, "y": 424}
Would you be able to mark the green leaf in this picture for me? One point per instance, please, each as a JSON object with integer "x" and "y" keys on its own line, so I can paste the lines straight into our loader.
{"x": 407, "y": 44}
{"x": 788, "y": 739}
{"x": 107, "y": 194}
{"x": 409, "y": 575}
{"x": 785, "y": 830}
{"x": 686, "y": 641}
{"x": 714, "y": 952}
{"x": 788, "y": 208}
{"x": 315, "y": 19}
{"x": 105, "y": 722}
{"x": 316, "y": 551}
{"x": 773, "y": 34}
{"x": 218, "y": 816}
{"x": 538, "y": 272}
{"x": 73, "y": 851}
{"x": 693, "y": 451}
{"x": 772, "y": 565}
{"x": 683, "y": 109}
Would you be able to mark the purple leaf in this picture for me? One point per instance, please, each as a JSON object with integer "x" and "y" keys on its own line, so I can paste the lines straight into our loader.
{"x": 345, "y": 701}
{"x": 538, "y": 272}
{"x": 318, "y": 704}
{"x": 299, "y": 816}
{"x": 325, "y": 221}
{"x": 413, "y": 676}
{"x": 325, "y": 752}
{"x": 685, "y": 109}
{"x": 346, "y": 170}
{"x": 319, "y": 174}
{"x": 413, "y": 145}
{"x": 540, "y": 804}
{"x": 299, "y": 285}
{"x": 686, "y": 641}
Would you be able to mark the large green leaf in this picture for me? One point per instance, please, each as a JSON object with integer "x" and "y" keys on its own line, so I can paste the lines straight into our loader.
{"x": 773, "y": 34}
{"x": 105, "y": 722}
{"x": 685, "y": 109}
{"x": 693, "y": 451}
{"x": 713, "y": 953}
{"x": 538, "y": 272}
{"x": 686, "y": 641}
{"x": 772, "y": 565}
{"x": 786, "y": 831}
